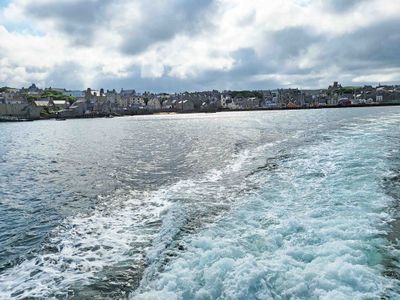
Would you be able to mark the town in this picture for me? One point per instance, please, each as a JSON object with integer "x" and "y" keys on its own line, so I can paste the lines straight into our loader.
{"x": 33, "y": 103}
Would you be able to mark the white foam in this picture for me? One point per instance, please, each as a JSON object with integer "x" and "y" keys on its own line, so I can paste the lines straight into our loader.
{"x": 85, "y": 245}
{"x": 315, "y": 231}
{"x": 134, "y": 228}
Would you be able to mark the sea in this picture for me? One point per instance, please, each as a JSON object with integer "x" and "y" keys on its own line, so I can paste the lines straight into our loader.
{"x": 300, "y": 204}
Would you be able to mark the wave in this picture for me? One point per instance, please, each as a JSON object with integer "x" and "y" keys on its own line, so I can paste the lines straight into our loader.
{"x": 315, "y": 230}
{"x": 285, "y": 219}
{"x": 128, "y": 237}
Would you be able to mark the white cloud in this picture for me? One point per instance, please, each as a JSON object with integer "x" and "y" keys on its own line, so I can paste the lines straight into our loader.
{"x": 190, "y": 41}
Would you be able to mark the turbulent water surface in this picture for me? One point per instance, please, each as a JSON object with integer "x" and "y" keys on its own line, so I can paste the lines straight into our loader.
{"x": 257, "y": 205}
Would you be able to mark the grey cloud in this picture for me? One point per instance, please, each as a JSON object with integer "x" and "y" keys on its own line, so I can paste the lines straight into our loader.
{"x": 160, "y": 20}
{"x": 287, "y": 46}
{"x": 31, "y": 69}
{"x": 284, "y": 49}
{"x": 77, "y": 19}
{"x": 358, "y": 53}
{"x": 376, "y": 46}
{"x": 289, "y": 42}
{"x": 341, "y": 6}
{"x": 164, "y": 21}
{"x": 67, "y": 75}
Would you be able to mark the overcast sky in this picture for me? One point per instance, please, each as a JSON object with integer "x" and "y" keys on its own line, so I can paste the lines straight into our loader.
{"x": 178, "y": 45}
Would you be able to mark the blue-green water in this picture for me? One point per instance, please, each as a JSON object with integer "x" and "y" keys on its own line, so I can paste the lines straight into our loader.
{"x": 257, "y": 205}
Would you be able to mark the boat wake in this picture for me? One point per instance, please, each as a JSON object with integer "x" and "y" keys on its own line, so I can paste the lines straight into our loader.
{"x": 128, "y": 237}
{"x": 315, "y": 230}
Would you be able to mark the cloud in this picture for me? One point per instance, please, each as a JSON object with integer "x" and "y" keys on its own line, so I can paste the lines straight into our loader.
{"x": 341, "y": 6}
{"x": 70, "y": 73}
{"x": 375, "y": 46}
{"x": 138, "y": 23}
{"x": 160, "y": 21}
{"x": 76, "y": 19}
{"x": 177, "y": 45}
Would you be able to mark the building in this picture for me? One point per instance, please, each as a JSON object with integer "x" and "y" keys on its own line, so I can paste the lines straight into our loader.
{"x": 167, "y": 105}
{"x": 184, "y": 106}
{"x": 33, "y": 90}
{"x": 60, "y": 104}
{"x": 154, "y": 104}
{"x": 43, "y": 103}
{"x": 20, "y": 111}
{"x": 76, "y": 110}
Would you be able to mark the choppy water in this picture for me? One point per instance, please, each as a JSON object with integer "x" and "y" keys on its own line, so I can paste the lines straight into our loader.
{"x": 257, "y": 205}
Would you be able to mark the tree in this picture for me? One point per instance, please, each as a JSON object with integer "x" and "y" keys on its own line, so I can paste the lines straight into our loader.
{"x": 246, "y": 94}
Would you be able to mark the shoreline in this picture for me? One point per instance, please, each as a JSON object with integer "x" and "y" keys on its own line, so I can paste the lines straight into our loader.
{"x": 13, "y": 119}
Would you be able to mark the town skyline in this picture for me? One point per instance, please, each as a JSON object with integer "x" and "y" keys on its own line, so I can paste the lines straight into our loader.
{"x": 155, "y": 91}
{"x": 35, "y": 103}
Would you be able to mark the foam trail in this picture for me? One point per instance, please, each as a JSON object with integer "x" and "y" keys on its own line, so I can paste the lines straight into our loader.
{"x": 121, "y": 231}
{"x": 316, "y": 230}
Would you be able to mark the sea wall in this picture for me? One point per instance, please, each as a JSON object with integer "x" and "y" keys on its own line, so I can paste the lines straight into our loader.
{"x": 20, "y": 110}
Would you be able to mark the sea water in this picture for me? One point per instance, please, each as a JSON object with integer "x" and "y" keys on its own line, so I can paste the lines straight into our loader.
{"x": 252, "y": 205}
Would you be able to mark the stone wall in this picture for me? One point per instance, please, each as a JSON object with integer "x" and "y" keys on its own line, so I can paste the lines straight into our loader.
{"x": 20, "y": 110}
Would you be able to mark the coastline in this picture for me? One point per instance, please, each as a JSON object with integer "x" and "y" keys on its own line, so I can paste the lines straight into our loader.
{"x": 10, "y": 119}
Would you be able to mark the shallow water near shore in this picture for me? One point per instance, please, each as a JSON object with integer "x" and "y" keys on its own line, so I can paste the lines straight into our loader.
{"x": 246, "y": 205}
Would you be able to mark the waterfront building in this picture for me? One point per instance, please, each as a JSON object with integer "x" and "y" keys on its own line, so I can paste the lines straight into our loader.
{"x": 184, "y": 106}
{"x": 22, "y": 110}
{"x": 76, "y": 110}
{"x": 42, "y": 103}
{"x": 226, "y": 99}
{"x": 154, "y": 104}
{"x": 60, "y": 104}
{"x": 167, "y": 105}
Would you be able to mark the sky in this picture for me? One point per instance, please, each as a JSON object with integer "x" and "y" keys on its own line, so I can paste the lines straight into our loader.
{"x": 189, "y": 45}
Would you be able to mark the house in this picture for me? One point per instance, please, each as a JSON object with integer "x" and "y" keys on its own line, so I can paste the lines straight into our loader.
{"x": 114, "y": 100}
{"x": 12, "y": 96}
{"x": 344, "y": 101}
{"x": 42, "y": 103}
{"x": 60, "y": 104}
{"x": 251, "y": 103}
{"x": 137, "y": 103}
{"x": 184, "y": 105}
{"x": 77, "y": 109}
{"x": 291, "y": 95}
{"x": 33, "y": 90}
{"x": 267, "y": 103}
{"x": 97, "y": 100}
{"x": 154, "y": 104}
{"x": 127, "y": 93}
{"x": 51, "y": 104}
{"x": 167, "y": 104}
{"x": 225, "y": 100}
